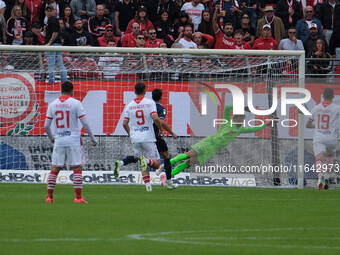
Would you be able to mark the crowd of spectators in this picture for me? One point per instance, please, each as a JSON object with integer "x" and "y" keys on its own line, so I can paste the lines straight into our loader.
{"x": 217, "y": 24}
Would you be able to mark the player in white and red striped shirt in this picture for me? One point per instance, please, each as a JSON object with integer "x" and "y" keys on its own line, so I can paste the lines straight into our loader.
{"x": 325, "y": 121}
{"x": 139, "y": 116}
{"x": 64, "y": 113}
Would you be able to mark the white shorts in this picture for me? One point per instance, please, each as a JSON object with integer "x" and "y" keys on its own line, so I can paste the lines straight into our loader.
{"x": 148, "y": 150}
{"x": 326, "y": 146}
{"x": 70, "y": 155}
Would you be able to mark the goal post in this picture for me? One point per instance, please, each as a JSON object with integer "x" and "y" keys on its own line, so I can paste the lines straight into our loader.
{"x": 195, "y": 85}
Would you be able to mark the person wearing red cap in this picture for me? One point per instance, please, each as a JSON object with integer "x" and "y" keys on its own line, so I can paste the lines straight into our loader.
{"x": 265, "y": 41}
{"x": 142, "y": 19}
{"x": 108, "y": 34}
{"x": 97, "y": 23}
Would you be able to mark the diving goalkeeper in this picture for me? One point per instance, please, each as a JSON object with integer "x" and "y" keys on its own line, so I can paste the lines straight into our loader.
{"x": 205, "y": 149}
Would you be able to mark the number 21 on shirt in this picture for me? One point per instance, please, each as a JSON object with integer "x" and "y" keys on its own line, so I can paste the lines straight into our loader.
{"x": 60, "y": 120}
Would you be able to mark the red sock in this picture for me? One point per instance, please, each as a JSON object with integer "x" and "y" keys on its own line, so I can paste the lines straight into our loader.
{"x": 78, "y": 183}
{"x": 149, "y": 162}
{"x": 146, "y": 179}
{"x": 51, "y": 182}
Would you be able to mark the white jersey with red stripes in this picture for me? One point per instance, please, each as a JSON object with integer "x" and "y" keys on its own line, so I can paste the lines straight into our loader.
{"x": 138, "y": 112}
{"x": 326, "y": 116}
{"x": 65, "y": 112}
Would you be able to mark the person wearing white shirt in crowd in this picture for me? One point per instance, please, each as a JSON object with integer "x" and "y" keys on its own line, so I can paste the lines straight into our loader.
{"x": 186, "y": 42}
{"x": 194, "y": 9}
{"x": 291, "y": 43}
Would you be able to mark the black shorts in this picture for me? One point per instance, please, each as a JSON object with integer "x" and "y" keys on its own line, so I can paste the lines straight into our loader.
{"x": 161, "y": 144}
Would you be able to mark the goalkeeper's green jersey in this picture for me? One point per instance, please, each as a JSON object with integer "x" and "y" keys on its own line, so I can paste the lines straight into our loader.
{"x": 225, "y": 134}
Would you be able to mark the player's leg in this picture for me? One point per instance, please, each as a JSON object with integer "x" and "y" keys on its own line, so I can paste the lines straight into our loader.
{"x": 179, "y": 158}
{"x": 192, "y": 159}
{"x": 330, "y": 149}
{"x": 51, "y": 182}
{"x": 167, "y": 167}
{"x": 139, "y": 153}
{"x": 319, "y": 151}
{"x": 58, "y": 161}
{"x": 76, "y": 159}
{"x": 120, "y": 163}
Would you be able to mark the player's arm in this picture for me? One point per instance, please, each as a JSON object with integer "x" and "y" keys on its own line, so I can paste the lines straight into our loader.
{"x": 88, "y": 130}
{"x": 167, "y": 128}
{"x": 47, "y": 127}
{"x": 126, "y": 126}
{"x": 158, "y": 123}
{"x": 226, "y": 113}
{"x": 310, "y": 123}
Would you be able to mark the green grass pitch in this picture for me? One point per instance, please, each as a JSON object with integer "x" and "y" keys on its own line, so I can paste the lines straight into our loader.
{"x": 189, "y": 220}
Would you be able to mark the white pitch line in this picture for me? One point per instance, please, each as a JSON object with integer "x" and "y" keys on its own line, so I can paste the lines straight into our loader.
{"x": 157, "y": 237}
{"x": 17, "y": 240}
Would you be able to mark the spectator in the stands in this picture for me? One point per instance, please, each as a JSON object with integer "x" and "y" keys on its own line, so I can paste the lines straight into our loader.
{"x": 224, "y": 40}
{"x": 183, "y": 20}
{"x": 34, "y": 7}
{"x": 186, "y": 42}
{"x": 329, "y": 15}
{"x": 2, "y": 22}
{"x": 68, "y": 17}
{"x": 38, "y": 36}
{"x": 289, "y": 11}
{"x": 129, "y": 39}
{"x": 142, "y": 19}
{"x": 334, "y": 43}
{"x": 194, "y": 9}
{"x": 56, "y": 11}
{"x": 16, "y": 26}
{"x": 97, "y": 24}
{"x": 264, "y": 3}
{"x": 201, "y": 39}
{"x": 276, "y": 26}
{"x": 164, "y": 28}
{"x": 291, "y": 43}
{"x": 108, "y": 35}
{"x": 80, "y": 37}
{"x": 28, "y": 38}
{"x": 240, "y": 44}
{"x": 26, "y": 13}
{"x": 109, "y": 8}
{"x": 314, "y": 63}
{"x": 140, "y": 40}
{"x": 247, "y": 30}
{"x": 265, "y": 41}
{"x": 309, "y": 45}
{"x": 53, "y": 39}
{"x": 249, "y": 7}
{"x": 83, "y": 9}
{"x": 302, "y": 26}
{"x": 125, "y": 11}
{"x": 230, "y": 12}
{"x": 206, "y": 27}
{"x": 155, "y": 8}
{"x": 152, "y": 41}
{"x": 63, "y": 33}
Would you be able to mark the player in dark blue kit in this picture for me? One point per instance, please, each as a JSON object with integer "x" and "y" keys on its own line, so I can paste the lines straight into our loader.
{"x": 160, "y": 143}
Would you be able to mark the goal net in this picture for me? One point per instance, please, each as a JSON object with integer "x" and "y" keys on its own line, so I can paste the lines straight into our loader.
{"x": 196, "y": 84}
